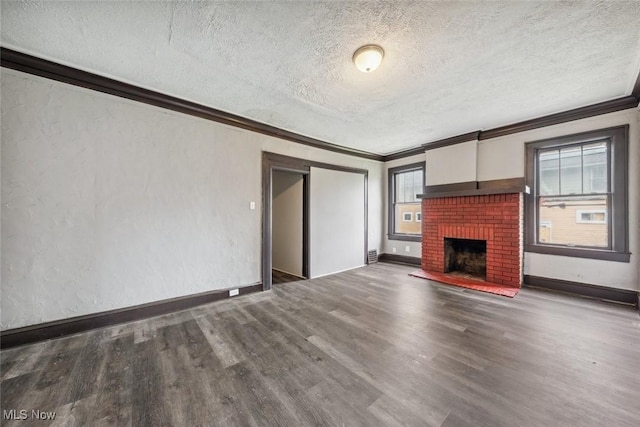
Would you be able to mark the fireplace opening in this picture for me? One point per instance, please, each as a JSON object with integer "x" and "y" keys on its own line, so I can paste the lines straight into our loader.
{"x": 466, "y": 257}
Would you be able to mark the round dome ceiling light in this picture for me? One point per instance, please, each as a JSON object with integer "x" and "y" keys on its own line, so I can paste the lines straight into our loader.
{"x": 368, "y": 58}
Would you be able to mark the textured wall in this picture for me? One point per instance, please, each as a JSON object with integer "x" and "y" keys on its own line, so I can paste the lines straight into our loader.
{"x": 286, "y": 222}
{"x": 108, "y": 203}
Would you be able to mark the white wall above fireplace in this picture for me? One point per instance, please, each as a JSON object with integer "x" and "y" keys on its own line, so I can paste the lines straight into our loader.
{"x": 452, "y": 164}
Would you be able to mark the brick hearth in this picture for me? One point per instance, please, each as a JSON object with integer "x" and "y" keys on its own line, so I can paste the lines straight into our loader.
{"x": 496, "y": 218}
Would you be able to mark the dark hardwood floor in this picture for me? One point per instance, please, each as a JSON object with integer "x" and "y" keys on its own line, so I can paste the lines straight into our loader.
{"x": 368, "y": 347}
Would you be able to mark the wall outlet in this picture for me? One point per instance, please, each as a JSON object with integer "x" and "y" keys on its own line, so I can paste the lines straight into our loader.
{"x": 234, "y": 292}
{"x": 252, "y": 205}
{"x": 407, "y": 248}
{"x": 393, "y": 250}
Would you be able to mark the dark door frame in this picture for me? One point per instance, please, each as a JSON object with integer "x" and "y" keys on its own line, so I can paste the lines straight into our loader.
{"x": 271, "y": 162}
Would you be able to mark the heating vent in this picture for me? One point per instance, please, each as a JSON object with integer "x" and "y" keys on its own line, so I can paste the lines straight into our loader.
{"x": 373, "y": 256}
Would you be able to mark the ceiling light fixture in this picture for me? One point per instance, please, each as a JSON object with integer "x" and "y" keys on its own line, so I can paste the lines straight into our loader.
{"x": 368, "y": 58}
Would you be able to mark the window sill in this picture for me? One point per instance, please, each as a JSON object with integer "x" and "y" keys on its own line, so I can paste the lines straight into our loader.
{"x": 405, "y": 237}
{"x": 605, "y": 255}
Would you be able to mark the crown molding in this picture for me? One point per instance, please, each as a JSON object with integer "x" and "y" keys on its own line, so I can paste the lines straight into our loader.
{"x": 471, "y": 136}
{"x": 41, "y": 67}
{"x": 565, "y": 116}
{"x": 404, "y": 153}
{"x": 44, "y": 68}
{"x": 600, "y": 108}
{"x": 636, "y": 89}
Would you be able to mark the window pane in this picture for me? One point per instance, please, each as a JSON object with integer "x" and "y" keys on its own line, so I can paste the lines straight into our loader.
{"x": 408, "y": 185}
{"x": 594, "y": 170}
{"x": 399, "y": 183}
{"x": 405, "y": 215}
{"x": 417, "y": 185}
{"x": 570, "y": 170}
{"x": 549, "y": 172}
{"x": 574, "y": 221}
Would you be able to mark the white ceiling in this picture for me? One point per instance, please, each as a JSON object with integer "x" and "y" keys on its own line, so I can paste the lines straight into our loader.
{"x": 449, "y": 67}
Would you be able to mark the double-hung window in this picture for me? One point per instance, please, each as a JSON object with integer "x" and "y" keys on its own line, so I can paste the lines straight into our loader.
{"x": 405, "y": 218}
{"x": 578, "y": 201}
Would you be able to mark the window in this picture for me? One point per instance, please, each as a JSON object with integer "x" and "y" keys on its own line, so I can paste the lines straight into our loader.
{"x": 405, "y": 183}
{"x": 591, "y": 217}
{"x": 579, "y": 190}
{"x": 544, "y": 232}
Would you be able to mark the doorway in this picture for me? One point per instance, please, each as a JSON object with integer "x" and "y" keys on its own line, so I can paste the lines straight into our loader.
{"x": 288, "y": 221}
{"x": 334, "y": 215}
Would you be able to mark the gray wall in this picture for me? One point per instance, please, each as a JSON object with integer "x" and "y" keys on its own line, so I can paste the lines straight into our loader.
{"x": 337, "y": 221}
{"x": 286, "y": 222}
{"x": 109, "y": 203}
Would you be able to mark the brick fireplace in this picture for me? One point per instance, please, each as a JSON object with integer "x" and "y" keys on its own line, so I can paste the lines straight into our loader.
{"x": 492, "y": 218}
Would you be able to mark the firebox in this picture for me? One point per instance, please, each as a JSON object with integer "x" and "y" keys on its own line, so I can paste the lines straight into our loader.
{"x": 466, "y": 256}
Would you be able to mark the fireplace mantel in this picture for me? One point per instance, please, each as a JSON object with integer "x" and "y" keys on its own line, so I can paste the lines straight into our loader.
{"x": 476, "y": 188}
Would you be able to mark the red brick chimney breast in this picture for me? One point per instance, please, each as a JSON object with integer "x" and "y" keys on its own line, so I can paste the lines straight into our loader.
{"x": 496, "y": 218}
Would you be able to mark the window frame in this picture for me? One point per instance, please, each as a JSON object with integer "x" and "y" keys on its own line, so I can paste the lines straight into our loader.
{"x": 618, "y": 211}
{"x": 404, "y": 217}
{"x": 392, "y": 172}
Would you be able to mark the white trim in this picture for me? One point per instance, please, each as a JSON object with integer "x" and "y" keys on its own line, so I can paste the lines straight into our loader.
{"x": 418, "y": 216}
{"x": 579, "y": 213}
{"x": 404, "y": 216}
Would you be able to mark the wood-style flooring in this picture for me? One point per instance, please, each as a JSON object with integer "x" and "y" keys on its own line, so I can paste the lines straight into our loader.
{"x": 368, "y": 347}
{"x": 278, "y": 276}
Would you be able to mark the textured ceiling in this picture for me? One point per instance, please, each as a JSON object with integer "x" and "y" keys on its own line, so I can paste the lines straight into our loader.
{"x": 449, "y": 67}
